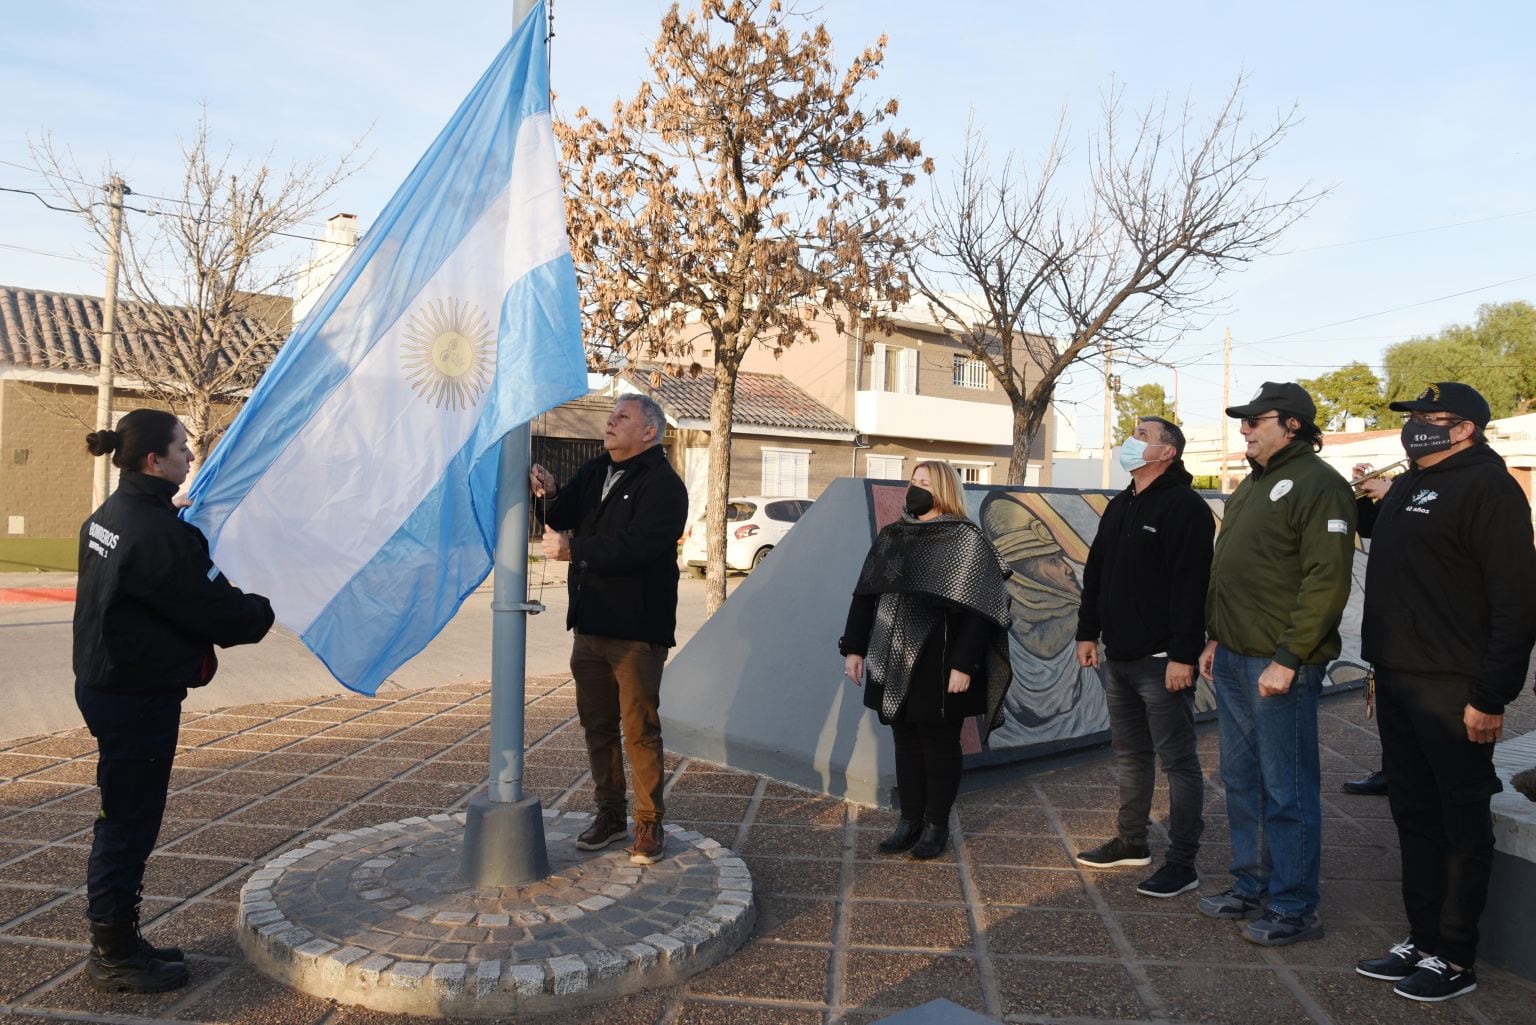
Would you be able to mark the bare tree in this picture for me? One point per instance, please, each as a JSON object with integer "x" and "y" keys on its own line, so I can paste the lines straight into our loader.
{"x": 206, "y": 277}
{"x": 745, "y": 190}
{"x": 1033, "y": 281}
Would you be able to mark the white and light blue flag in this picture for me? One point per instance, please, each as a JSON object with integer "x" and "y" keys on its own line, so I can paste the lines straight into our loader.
{"x": 357, "y": 488}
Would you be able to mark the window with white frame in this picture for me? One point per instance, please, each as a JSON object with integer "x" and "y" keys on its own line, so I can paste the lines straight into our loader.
{"x": 973, "y": 473}
{"x": 787, "y": 472}
{"x": 971, "y": 373}
{"x": 894, "y": 369}
{"x": 883, "y": 468}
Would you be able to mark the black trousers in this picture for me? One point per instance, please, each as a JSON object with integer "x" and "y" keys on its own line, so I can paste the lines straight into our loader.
{"x": 136, "y": 738}
{"x": 1440, "y": 795}
{"x": 928, "y": 763}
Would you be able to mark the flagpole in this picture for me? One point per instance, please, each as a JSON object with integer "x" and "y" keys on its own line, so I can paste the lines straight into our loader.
{"x": 504, "y": 831}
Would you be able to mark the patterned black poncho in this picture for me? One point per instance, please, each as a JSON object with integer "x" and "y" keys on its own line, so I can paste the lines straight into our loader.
{"x": 913, "y": 562}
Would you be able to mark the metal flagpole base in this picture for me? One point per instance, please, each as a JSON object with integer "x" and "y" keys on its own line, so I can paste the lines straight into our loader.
{"x": 503, "y": 842}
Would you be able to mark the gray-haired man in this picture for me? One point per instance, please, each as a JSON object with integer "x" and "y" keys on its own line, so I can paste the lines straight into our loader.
{"x": 625, "y": 510}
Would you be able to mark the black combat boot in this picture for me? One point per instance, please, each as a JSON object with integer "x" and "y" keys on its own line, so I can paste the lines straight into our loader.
{"x": 158, "y": 953}
{"x": 118, "y": 965}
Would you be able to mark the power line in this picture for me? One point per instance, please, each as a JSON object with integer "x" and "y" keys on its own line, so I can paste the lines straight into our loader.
{"x": 1405, "y": 234}
{"x": 1395, "y": 309}
{"x": 44, "y": 252}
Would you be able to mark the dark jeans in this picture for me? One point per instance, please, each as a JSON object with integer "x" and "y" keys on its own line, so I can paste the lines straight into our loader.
{"x": 1147, "y": 720}
{"x": 928, "y": 761}
{"x": 1441, "y": 786}
{"x": 136, "y": 737}
{"x": 618, "y": 684}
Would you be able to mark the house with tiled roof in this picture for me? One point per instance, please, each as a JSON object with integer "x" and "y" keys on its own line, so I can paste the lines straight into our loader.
{"x": 845, "y": 404}
{"x": 50, "y": 358}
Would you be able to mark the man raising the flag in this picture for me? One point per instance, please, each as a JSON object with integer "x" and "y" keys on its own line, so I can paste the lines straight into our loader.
{"x": 625, "y": 510}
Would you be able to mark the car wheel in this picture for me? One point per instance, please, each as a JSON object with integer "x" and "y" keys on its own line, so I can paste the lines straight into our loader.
{"x": 762, "y": 553}
{"x": 696, "y": 572}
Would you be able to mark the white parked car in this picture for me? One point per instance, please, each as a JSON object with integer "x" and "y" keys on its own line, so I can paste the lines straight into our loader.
{"x": 753, "y": 525}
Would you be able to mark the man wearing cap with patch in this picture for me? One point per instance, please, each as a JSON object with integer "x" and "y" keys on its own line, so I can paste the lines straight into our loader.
{"x": 1280, "y": 577}
{"x": 1450, "y": 620}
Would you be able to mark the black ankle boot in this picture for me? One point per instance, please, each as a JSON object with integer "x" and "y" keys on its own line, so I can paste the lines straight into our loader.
{"x": 906, "y": 834}
{"x": 119, "y": 966}
{"x": 932, "y": 842}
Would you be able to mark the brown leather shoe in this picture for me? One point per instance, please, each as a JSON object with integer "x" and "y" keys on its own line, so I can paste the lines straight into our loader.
{"x": 605, "y": 829}
{"x": 650, "y": 844}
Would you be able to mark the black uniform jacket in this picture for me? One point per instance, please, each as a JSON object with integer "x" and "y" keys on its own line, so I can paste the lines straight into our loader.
{"x": 1450, "y": 586}
{"x": 1145, "y": 580}
{"x": 150, "y": 605}
{"x": 623, "y": 578}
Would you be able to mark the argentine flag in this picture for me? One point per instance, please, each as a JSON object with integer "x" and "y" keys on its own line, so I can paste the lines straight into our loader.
{"x": 357, "y": 488}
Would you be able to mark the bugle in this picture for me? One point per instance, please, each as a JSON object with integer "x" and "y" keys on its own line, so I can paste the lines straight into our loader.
{"x": 1390, "y": 470}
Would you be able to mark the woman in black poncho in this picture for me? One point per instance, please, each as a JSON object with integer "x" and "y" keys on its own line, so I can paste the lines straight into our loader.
{"x": 928, "y": 632}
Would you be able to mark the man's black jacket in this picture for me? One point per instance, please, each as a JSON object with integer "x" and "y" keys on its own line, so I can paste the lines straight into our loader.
{"x": 1450, "y": 586}
{"x": 150, "y": 605}
{"x": 623, "y": 578}
{"x": 1144, "y": 584}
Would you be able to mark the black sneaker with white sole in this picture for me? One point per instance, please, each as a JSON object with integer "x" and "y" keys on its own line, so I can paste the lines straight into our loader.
{"x": 1399, "y": 962}
{"x": 1169, "y": 881}
{"x": 1115, "y": 854}
{"x": 1434, "y": 980}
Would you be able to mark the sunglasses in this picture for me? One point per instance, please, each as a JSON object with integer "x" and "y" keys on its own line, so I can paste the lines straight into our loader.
{"x": 1251, "y": 422}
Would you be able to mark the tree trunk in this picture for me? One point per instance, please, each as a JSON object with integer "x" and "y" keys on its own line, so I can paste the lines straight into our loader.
{"x": 1023, "y": 438}
{"x": 722, "y": 405}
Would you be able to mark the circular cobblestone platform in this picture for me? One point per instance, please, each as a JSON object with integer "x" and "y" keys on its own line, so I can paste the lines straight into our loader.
{"x": 378, "y": 917}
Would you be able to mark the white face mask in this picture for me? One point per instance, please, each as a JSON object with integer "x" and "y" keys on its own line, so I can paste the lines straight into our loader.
{"x": 1133, "y": 454}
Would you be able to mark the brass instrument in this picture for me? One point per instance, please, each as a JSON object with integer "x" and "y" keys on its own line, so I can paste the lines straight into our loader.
{"x": 1390, "y": 470}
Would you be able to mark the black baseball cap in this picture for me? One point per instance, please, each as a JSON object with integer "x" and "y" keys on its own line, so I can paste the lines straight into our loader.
{"x": 1452, "y": 397}
{"x": 1286, "y": 395}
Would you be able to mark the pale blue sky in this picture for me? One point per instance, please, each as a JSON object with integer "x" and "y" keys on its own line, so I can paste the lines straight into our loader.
{"x": 1418, "y": 114}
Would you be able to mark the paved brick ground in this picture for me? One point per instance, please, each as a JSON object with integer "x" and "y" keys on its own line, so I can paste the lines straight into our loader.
{"x": 1006, "y": 924}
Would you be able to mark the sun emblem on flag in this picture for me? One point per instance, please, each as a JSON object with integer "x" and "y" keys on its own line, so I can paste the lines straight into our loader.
{"x": 447, "y": 353}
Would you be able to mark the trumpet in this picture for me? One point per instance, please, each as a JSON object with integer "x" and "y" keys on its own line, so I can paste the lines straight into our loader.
{"x": 1390, "y": 470}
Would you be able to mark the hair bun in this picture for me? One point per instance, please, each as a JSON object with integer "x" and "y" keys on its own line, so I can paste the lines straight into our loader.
{"x": 101, "y": 443}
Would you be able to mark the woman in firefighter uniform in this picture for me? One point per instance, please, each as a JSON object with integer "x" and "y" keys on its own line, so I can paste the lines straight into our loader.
{"x": 150, "y": 606}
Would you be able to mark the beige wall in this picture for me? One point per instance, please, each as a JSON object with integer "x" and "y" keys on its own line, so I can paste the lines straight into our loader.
{"x": 829, "y": 459}
{"x": 45, "y": 472}
{"x": 823, "y": 367}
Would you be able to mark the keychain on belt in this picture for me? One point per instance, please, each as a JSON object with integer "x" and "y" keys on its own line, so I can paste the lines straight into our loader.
{"x": 1370, "y": 693}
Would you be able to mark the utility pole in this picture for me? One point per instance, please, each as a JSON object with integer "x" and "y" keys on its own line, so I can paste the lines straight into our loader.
{"x": 116, "y": 190}
{"x": 1109, "y": 412}
{"x": 1226, "y": 401}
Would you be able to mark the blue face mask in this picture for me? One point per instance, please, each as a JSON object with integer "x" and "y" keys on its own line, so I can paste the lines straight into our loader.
{"x": 1133, "y": 454}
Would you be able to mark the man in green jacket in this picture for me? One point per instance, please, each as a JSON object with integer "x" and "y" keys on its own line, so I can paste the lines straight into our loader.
{"x": 1280, "y": 578}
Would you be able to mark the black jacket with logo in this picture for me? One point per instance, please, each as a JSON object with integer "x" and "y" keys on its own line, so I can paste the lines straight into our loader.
{"x": 150, "y": 605}
{"x": 623, "y": 576}
{"x": 1450, "y": 586}
{"x": 1145, "y": 579}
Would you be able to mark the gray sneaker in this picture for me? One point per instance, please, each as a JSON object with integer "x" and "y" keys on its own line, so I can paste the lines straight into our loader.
{"x": 1277, "y": 930}
{"x": 1231, "y": 905}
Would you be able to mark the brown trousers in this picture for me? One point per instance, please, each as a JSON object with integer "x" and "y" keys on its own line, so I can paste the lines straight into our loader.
{"x": 618, "y": 683}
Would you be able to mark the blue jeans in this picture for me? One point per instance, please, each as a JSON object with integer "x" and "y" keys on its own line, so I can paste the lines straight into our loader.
{"x": 1269, "y": 766}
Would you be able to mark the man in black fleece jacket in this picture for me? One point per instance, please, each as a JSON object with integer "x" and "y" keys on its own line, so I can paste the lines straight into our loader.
{"x": 1144, "y": 592}
{"x": 625, "y": 510}
{"x": 1450, "y": 619}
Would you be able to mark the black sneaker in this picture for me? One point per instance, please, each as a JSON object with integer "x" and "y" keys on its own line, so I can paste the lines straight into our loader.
{"x": 1276, "y": 930}
{"x": 1399, "y": 963}
{"x": 1115, "y": 854}
{"x": 1169, "y": 881}
{"x": 1434, "y": 980}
